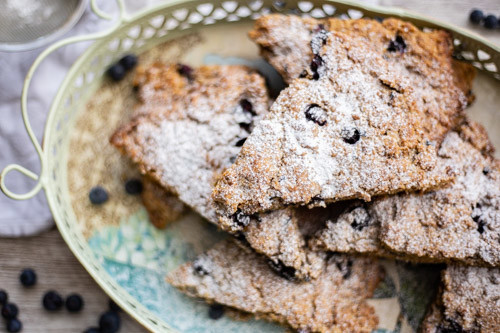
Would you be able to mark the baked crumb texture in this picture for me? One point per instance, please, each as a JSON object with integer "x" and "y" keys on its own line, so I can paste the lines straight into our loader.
{"x": 334, "y": 302}
{"x": 364, "y": 119}
{"x": 459, "y": 222}
{"x": 191, "y": 125}
{"x": 467, "y": 302}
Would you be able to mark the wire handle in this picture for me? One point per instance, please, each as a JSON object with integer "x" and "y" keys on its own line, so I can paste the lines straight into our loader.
{"x": 24, "y": 102}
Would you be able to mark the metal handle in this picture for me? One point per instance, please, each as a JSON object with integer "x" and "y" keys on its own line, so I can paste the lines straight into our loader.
{"x": 24, "y": 98}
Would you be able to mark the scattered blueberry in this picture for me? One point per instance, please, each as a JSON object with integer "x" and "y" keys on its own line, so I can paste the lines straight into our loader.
{"x": 116, "y": 72}
{"x": 3, "y": 297}
{"x": 14, "y": 325}
{"x": 247, "y": 106}
{"x": 113, "y": 306}
{"x": 128, "y": 62}
{"x": 240, "y": 142}
{"x": 185, "y": 71}
{"x": 28, "y": 277}
{"x": 98, "y": 195}
{"x": 315, "y": 113}
{"x": 240, "y": 219}
{"x": 92, "y": 330}
{"x": 361, "y": 219}
{"x": 490, "y": 22}
{"x": 9, "y": 311}
{"x": 109, "y": 322}
{"x": 52, "y": 301}
{"x": 350, "y": 135}
{"x": 216, "y": 311}
{"x": 398, "y": 44}
{"x": 486, "y": 171}
{"x": 74, "y": 303}
{"x": 133, "y": 186}
{"x": 476, "y": 16}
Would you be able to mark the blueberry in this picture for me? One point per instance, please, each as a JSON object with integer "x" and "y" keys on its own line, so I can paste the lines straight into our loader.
{"x": 283, "y": 271}
{"x": 74, "y": 303}
{"x": 92, "y": 330}
{"x": 490, "y": 22}
{"x": 14, "y": 326}
{"x": 486, "y": 171}
{"x": 247, "y": 106}
{"x": 133, "y": 186}
{"x": 315, "y": 65}
{"x": 185, "y": 71}
{"x": 28, "y": 277}
{"x": 113, "y": 306}
{"x": 128, "y": 62}
{"x": 398, "y": 44}
{"x": 98, "y": 195}
{"x": 361, "y": 219}
{"x": 476, "y": 16}
{"x": 109, "y": 322}
{"x": 240, "y": 219}
{"x": 9, "y": 311}
{"x": 315, "y": 113}
{"x": 350, "y": 135}
{"x": 116, "y": 72}
{"x": 240, "y": 142}
{"x": 4, "y": 297}
{"x": 199, "y": 268}
{"x": 52, "y": 301}
{"x": 216, "y": 311}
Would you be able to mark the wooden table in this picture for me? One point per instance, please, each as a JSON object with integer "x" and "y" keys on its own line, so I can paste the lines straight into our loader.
{"x": 58, "y": 269}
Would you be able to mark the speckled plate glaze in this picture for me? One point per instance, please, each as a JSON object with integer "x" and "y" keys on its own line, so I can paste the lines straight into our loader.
{"x": 115, "y": 242}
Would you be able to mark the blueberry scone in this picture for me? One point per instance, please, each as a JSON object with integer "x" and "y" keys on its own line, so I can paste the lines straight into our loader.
{"x": 460, "y": 222}
{"x": 334, "y": 302}
{"x": 467, "y": 302}
{"x": 366, "y": 121}
{"x": 191, "y": 126}
{"x": 288, "y": 43}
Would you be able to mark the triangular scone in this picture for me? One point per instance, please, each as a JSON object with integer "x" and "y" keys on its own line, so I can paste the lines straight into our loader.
{"x": 362, "y": 129}
{"x": 467, "y": 301}
{"x": 285, "y": 41}
{"x": 460, "y": 222}
{"x": 191, "y": 126}
{"x": 162, "y": 206}
{"x": 334, "y": 302}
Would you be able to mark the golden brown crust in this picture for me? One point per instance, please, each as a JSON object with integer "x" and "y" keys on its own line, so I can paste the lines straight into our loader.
{"x": 162, "y": 206}
{"x": 191, "y": 125}
{"x": 335, "y": 302}
{"x": 364, "y": 124}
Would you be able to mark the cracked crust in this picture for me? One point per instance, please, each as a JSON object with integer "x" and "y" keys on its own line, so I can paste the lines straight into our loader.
{"x": 162, "y": 206}
{"x": 291, "y": 57}
{"x": 468, "y": 301}
{"x": 180, "y": 134}
{"x": 460, "y": 222}
{"x": 335, "y": 302}
{"x": 367, "y": 126}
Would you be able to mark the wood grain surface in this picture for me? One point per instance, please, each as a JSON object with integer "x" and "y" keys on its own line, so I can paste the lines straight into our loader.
{"x": 58, "y": 269}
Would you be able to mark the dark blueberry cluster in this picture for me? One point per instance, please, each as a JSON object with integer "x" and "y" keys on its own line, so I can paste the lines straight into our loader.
{"x": 350, "y": 135}
{"x": 9, "y": 313}
{"x": 489, "y": 21}
{"x": 52, "y": 301}
{"x": 117, "y": 71}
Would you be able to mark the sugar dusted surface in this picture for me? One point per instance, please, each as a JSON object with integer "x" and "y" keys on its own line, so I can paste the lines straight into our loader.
{"x": 186, "y": 131}
{"x": 241, "y": 279}
{"x": 290, "y": 159}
